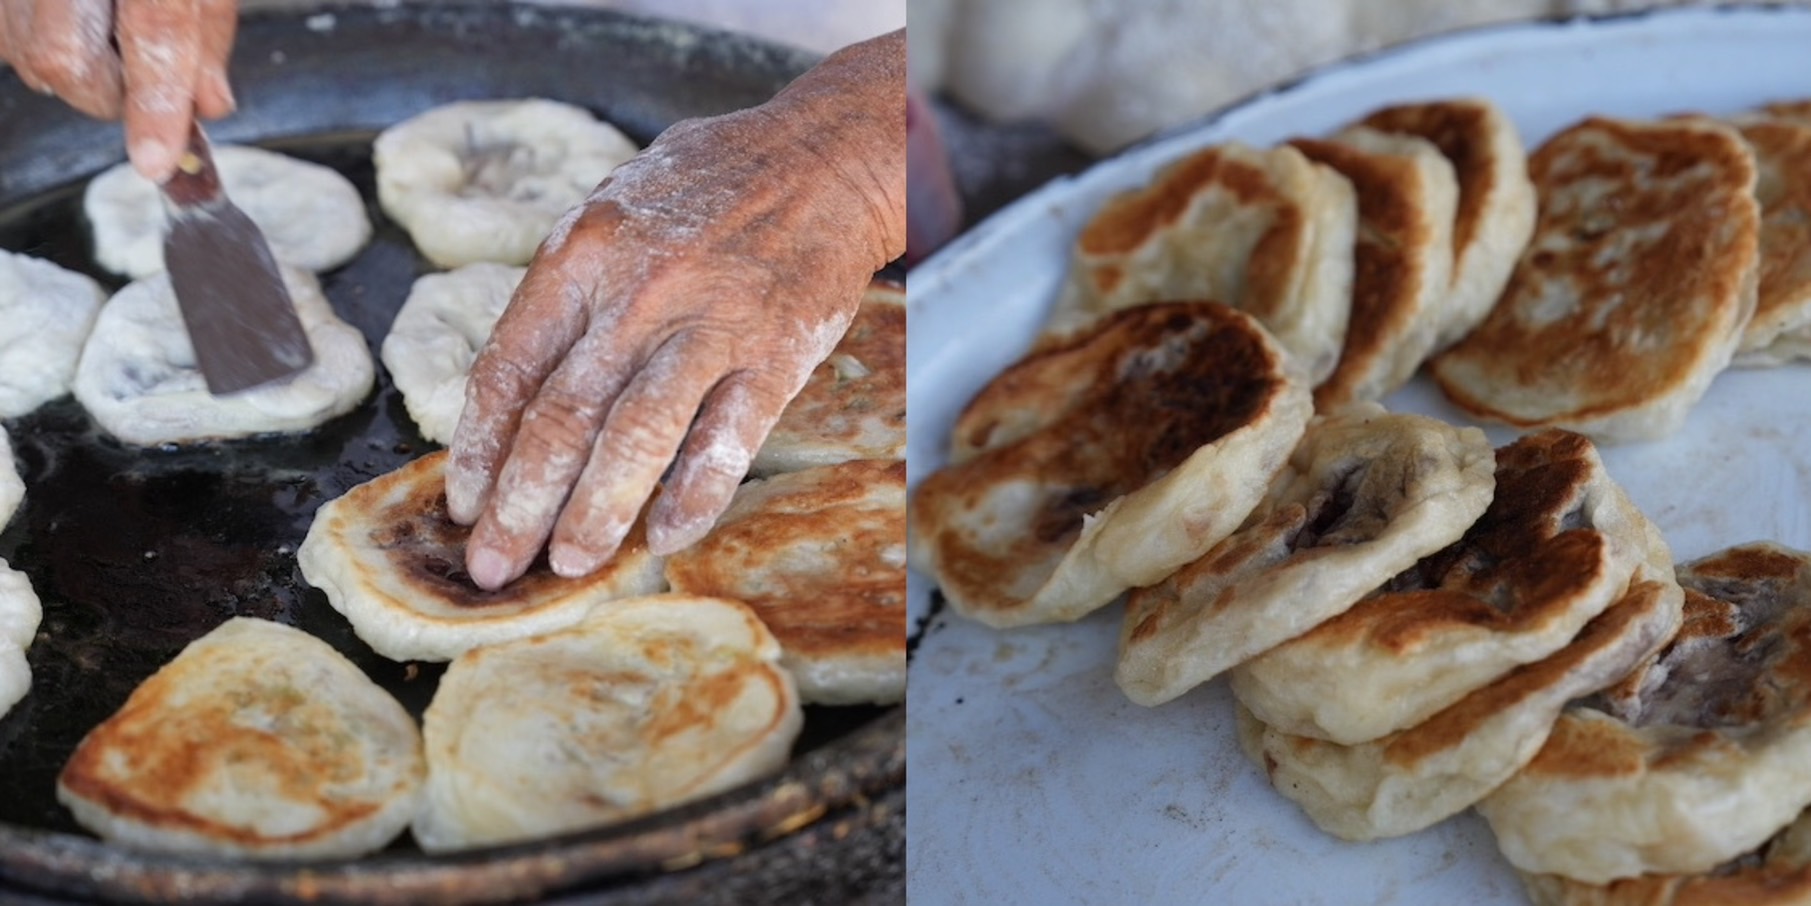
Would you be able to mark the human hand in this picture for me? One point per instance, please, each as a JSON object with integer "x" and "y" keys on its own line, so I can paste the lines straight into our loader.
{"x": 675, "y": 313}
{"x": 170, "y": 65}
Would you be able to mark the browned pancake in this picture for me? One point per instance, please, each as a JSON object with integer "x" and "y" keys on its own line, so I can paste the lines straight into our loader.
{"x": 1781, "y": 328}
{"x": 390, "y": 559}
{"x": 257, "y": 741}
{"x": 1557, "y": 545}
{"x": 854, "y": 404}
{"x": 1777, "y": 874}
{"x": 1265, "y": 231}
{"x": 1700, "y": 758}
{"x": 820, "y": 556}
{"x": 1413, "y": 778}
{"x": 1402, "y": 261}
{"x": 1634, "y": 291}
{"x": 1106, "y": 461}
{"x": 1496, "y": 208}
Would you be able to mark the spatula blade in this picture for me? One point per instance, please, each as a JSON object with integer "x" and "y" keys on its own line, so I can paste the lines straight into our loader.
{"x": 240, "y": 317}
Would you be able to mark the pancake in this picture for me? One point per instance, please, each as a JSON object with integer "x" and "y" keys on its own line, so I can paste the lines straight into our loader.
{"x": 1105, "y": 461}
{"x": 488, "y": 180}
{"x": 45, "y": 315}
{"x": 1710, "y": 757}
{"x": 1557, "y": 546}
{"x": 139, "y": 380}
{"x": 388, "y": 557}
{"x": 1781, "y": 328}
{"x": 1414, "y": 778}
{"x": 645, "y": 704}
{"x": 258, "y": 741}
{"x": 1407, "y": 199}
{"x": 1267, "y": 232}
{"x": 1776, "y": 874}
{"x": 819, "y": 555}
{"x": 312, "y": 217}
{"x": 1364, "y": 496}
{"x": 12, "y": 487}
{"x": 437, "y": 333}
{"x": 20, "y": 614}
{"x": 1496, "y": 208}
{"x": 1619, "y": 315}
{"x": 853, "y": 406}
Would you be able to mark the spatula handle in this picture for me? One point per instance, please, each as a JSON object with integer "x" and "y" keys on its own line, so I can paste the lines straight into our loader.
{"x": 195, "y": 181}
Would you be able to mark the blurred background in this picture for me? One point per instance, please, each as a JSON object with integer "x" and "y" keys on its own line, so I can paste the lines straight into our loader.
{"x": 1024, "y": 90}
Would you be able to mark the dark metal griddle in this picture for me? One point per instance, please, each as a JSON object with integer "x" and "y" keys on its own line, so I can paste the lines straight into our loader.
{"x": 136, "y": 552}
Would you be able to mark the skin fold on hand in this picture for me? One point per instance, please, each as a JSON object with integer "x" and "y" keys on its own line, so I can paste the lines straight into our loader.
{"x": 168, "y": 68}
{"x": 670, "y": 318}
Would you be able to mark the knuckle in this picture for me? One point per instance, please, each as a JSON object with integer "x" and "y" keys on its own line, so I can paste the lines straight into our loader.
{"x": 557, "y": 420}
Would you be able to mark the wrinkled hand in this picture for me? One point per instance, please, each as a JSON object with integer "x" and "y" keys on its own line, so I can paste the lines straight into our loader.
{"x": 676, "y": 313}
{"x": 170, "y": 64}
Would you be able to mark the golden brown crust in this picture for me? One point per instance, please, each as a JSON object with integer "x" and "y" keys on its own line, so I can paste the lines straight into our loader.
{"x": 819, "y": 556}
{"x": 1461, "y": 130}
{"x": 1782, "y": 152}
{"x": 853, "y": 406}
{"x": 253, "y": 727}
{"x": 1634, "y": 615}
{"x": 1704, "y": 760}
{"x": 1391, "y": 280}
{"x": 1637, "y": 283}
{"x": 1129, "y": 221}
{"x": 1096, "y": 418}
{"x": 1162, "y": 420}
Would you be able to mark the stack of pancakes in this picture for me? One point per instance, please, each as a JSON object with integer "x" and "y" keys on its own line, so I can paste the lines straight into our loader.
{"x": 1412, "y": 622}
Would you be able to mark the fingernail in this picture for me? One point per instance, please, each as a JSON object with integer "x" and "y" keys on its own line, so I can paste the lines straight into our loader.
{"x": 153, "y": 159}
{"x": 489, "y": 569}
{"x": 226, "y": 90}
{"x": 569, "y": 562}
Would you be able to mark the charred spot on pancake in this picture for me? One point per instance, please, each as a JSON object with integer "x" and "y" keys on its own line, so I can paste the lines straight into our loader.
{"x": 1741, "y": 657}
{"x": 426, "y": 545}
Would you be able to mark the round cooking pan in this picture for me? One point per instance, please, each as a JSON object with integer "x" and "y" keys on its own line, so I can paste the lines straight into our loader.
{"x": 136, "y": 552}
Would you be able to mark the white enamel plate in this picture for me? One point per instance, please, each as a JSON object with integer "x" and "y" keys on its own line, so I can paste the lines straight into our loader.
{"x": 1033, "y": 780}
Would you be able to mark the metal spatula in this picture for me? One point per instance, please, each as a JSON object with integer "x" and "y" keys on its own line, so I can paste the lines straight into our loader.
{"x": 240, "y": 317}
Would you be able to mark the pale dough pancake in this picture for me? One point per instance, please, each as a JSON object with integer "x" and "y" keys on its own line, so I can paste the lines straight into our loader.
{"x": 388, "y": 557}
{"x": 45, "y": 315}
{"x": 1363, "y": 497}
{"x": 312, "y": 216}
{"x": 488, "y": 180}
{"x": 1267, "y": 232}
{"x": 1557, "y": 545}
{"x": 139, "y": 380}
{"x": 646, "y": 704}
{"x": 820, "y": 557}
{"x": 258, "y": 741}
{"x": 1104, "y": 462}
{"x": 12, "y": 487}
{"x": 1497, "y": 203}
{"x": 1707, "y": 759}
{"x": 1619, "y": 314}
{"x": 437, "y": 333}
{"x": 1407, "y": 198}
{"x": 1413, "y": 778}
{"x": 854, "y": 404}
{"x": 20, "y": 613}
{"x": 1781, "y": 329}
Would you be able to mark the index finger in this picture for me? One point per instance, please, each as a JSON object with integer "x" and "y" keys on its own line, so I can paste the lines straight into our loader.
{"x": 544, "y": 319}
{"x": 160, "y": 52}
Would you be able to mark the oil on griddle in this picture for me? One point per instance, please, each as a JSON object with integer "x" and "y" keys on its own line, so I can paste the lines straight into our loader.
{"x": 135, "y": 552}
